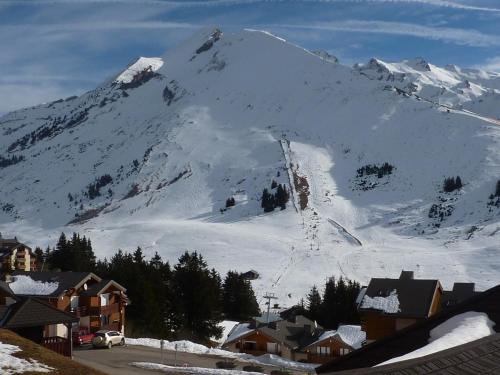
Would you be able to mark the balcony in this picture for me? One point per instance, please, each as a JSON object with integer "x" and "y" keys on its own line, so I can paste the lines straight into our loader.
{"x": 79, "y": 311}
{"x": 105, "y": 310}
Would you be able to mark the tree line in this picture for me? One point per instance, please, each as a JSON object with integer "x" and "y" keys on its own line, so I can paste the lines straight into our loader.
{"x": 189, "y": 299}
{"x": 336, "y": 306}
{"x": 184, "y": 301}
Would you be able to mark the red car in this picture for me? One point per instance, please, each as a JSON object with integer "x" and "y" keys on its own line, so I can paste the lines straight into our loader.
{"x": 82, "y": 337}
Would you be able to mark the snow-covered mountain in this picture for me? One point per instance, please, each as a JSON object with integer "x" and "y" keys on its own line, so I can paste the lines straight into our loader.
{"x": 150, "y": 157}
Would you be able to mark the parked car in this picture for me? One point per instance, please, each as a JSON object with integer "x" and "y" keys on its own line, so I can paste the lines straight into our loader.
{"x": 107, "y": 339}
{"x": 82, "y": 337}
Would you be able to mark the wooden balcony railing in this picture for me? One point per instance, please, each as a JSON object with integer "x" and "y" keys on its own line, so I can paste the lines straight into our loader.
{"x": 79, "y": 311}
{"x": 105, "y": 310}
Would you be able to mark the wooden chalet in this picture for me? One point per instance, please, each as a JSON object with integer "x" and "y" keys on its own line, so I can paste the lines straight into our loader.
{"x": 298, "y": 340}
{"x": 389, "y": 305}
{"x": 15, "y": 255}
{"x": 335, "y": 343}
{"x": 97, "y": 303}
{"x": 35, "y": 320}
{"x": 417, "y": 336}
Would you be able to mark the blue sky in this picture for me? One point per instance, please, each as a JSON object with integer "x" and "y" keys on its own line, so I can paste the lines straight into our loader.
{"x": 56, "y": 48}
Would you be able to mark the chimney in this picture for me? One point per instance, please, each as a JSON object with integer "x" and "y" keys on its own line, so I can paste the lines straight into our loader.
{"x": 406, "y": 275}
{"x": 466, "y": 289}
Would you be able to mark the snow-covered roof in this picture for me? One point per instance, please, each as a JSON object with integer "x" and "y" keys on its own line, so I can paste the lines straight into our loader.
{"x": 238, "y": 331}
{"x": 458, "y": 330}
{"x": 389, "y": 304}
{"x": 227, "y": 327}
{"x": 352, "y": 335}
{"x": 24, "y": 284}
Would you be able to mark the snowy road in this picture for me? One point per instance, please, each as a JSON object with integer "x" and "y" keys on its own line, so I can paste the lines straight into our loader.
{"x": 118, "y": 360}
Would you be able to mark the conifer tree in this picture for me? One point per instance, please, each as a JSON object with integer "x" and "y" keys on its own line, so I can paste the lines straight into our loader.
{"x": 197, "y": 291}
{"x": 267, "y": 201}
{"x": 238, "y": 298}
{"x": 314, "y": 304}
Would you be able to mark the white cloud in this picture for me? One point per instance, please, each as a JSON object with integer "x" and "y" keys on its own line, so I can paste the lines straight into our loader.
{"x": 202, "y": 3}
{"x": 451, "y": 35}
{"x": 491, "y": 65}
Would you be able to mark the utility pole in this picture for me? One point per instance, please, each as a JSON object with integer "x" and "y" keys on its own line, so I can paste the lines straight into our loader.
{"x": 269, "y": 297}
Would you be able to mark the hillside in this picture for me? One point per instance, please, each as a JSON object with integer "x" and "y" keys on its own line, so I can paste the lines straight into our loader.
{"x": 150, "y": 157}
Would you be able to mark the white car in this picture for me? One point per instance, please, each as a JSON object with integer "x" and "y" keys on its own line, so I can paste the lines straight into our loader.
{"x": 107, "y": 339}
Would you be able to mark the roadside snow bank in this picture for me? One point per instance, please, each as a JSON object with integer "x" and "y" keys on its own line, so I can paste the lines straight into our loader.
{"x": 13, "y": 365}
{"x": 190, "y": 347}
{"x": 275, "y": 360}
{"x": 190, "y": 370}
{"x": 181, "y": 346}
{"x": 24, "y": 284}
{"x": 458, "y": 330}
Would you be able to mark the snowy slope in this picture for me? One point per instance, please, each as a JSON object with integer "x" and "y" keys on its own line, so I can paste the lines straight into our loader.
{"x": 150, "y": 158}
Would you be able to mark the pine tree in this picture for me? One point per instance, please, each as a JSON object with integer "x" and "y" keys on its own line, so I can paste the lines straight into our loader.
{"x": 230, "y": 202}
{"x": 197, "y": 292}
{"x": 238, "y": 298}
{"x": 458, "y": 183}
{"x": 281, "y": 197}
{"x": 138, "y": 256}
{"x": 497, "y": 189}
{"x": 274, "y": 184}
{"x": 314, "y": 304}
{"x": 267, "y": 202}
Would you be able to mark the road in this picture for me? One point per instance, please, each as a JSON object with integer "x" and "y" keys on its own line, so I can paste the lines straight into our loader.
{"x": 117, "y": 360}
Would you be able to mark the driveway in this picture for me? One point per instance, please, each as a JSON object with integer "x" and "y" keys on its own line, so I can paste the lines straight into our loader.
{"x": 117, "y": 360}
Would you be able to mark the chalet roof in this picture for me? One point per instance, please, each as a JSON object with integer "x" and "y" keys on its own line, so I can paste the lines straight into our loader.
{"x": 414, "y": 295}
{"x": 350, "y": 335}
{"x": 8, "y": 244}
{"x": 65, "y": 280}
{"x": 415, "y": 336}
{"x": 477, "y": 357}
{"x": 100, "y": 287}
{"x": 459, "y": 293}
{"x": 5, "y": 289}
{"x": 31, "y": 312}
{"x": 294, "y": 335}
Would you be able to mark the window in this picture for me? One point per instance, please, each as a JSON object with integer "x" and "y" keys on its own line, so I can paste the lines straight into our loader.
{"x": 249, "y": 345}
{"x": 323, "y": 350}
{"x": 344, "y": 351}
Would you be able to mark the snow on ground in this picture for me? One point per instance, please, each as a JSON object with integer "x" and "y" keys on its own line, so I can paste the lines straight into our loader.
{"x": 227, "y": 327}
{"x": 458, "y": 330}
{"x": 142, "y": 63}
{"x": 350, "y": 334}
{"x": 275, "y": 360}
{"x": 10, "y": 364}
{"x": 389, "y": 304}
{"x": 24, "y": 284}
{"x": 189, "y": 347}
{"x": 190, "y": 370}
